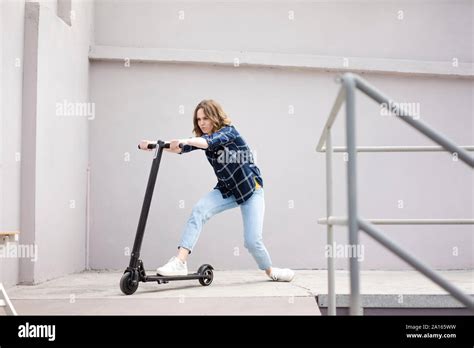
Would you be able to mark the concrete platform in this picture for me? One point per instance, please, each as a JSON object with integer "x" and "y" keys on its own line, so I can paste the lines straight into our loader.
{"x": 232, "y": 293}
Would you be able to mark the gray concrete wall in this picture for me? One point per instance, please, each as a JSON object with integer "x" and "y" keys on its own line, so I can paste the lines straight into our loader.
{"x": 62, "y": 140}
{"x": 49, "y": 209}
{"x": 144, "y": 100}
{"x": 11, "y": 70}
{"x": 434, "y": 30}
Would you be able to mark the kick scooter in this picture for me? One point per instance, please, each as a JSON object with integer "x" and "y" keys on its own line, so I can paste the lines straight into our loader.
{"x": 135, "y": 272}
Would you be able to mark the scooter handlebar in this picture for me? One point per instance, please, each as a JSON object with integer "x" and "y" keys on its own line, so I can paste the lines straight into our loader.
{"x": 165, "y": 146}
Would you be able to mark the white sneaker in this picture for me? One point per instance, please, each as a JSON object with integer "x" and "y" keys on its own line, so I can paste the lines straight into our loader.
{"x": 174, "y": 267}
{"x": 282, "y": 274}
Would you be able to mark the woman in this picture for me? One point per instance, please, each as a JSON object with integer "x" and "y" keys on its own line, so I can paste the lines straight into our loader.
{"x": 239, "y": 183}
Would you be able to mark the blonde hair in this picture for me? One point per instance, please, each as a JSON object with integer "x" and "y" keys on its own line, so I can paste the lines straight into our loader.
{"x": 216, "y": 114}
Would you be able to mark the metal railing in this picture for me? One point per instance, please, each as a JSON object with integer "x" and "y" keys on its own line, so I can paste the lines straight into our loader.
{"x": 350, "y": 83}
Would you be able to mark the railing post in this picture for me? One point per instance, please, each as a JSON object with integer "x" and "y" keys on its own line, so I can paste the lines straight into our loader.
{"x": 330, "y": 235}
{"x": 349, "y": 84}
{"x": 353, "y": 224}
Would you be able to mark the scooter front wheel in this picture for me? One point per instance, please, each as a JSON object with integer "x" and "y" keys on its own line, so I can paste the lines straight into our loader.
{"x": 126, "y": 284}
{"x": 208, "y": 275}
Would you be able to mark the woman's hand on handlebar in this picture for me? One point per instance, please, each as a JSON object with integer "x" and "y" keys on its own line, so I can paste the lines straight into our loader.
{"x": 174, "y": 145}
{"x": 144, "y": 145}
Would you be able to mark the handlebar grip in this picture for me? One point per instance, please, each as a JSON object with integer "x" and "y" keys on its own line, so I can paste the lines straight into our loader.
{"x": 150, "y": 146}
{"x": 165, "y": 146}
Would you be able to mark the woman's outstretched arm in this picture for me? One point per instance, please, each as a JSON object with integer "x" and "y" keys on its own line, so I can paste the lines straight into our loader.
{"x": 197, "y": 142}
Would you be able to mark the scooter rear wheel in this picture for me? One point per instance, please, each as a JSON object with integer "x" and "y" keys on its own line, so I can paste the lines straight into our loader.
{"x": 126, "y": 284}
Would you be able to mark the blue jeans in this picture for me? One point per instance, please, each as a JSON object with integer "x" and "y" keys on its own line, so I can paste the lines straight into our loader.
{"x": 252, "y": 210}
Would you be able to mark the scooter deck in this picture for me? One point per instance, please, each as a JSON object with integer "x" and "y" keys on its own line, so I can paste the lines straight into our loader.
{"x": 154, "y": 278}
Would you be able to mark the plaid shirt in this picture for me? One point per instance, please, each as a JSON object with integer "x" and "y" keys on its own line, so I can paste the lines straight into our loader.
{"x": 233, "y": 164}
